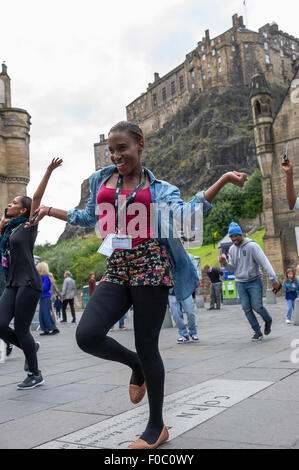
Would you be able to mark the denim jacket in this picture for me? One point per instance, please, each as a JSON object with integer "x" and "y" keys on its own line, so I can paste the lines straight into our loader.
{"x": 183, "y": 269}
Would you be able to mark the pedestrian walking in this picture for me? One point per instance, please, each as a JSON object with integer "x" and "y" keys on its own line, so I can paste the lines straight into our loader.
{"x": 245, "y": 259}
{"x": 215, "y": 276}
{"x": 46, "y": 320}
{"x": 140, "y": 269}
{"x": 23, "y": 283}
{"x": 68, "y": 295}
{"x": 92, "y": 284}
{"x": 291, "y": 288}
{"x": 58, "y": 306}
{"x": 177, "y": 309}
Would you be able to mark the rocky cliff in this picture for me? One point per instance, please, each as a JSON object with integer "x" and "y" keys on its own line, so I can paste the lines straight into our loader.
{"x": 211, "y": 135}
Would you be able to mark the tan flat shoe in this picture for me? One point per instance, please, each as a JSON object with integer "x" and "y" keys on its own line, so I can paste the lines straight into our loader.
{"x": 141, "y": 444}
{"x": 137, "y": 393}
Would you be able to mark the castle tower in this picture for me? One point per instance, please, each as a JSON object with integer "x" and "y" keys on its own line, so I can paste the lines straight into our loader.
{"x": 14, "y": 145}
{"x": 261, "y": 104}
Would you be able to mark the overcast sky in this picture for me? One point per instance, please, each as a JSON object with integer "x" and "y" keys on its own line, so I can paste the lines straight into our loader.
{"x": 74, "y": 66}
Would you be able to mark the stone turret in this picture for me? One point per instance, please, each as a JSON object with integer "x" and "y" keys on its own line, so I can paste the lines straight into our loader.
{"x": 14, "y": 145}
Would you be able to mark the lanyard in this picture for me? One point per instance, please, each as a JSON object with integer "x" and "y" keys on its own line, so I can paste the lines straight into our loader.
{"x": 129, "y": 200}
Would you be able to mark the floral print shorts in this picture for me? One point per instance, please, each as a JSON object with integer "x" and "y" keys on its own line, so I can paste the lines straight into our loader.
{"x": 145, "y": 265}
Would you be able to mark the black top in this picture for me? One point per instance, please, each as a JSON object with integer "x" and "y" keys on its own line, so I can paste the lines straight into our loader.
{"x": 21, "y": 268}
{"x": 214, "y": 275}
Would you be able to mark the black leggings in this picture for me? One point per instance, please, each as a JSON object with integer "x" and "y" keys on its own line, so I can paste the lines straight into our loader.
{"x": 19, "y": 303}
{"x": 107, "y": 305}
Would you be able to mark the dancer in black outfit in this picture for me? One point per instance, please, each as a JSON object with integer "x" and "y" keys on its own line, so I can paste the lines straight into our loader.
{"x": 23, "y": 283}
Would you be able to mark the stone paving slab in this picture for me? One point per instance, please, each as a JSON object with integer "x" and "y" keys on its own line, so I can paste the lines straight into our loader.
{"x": 82, "y": 390}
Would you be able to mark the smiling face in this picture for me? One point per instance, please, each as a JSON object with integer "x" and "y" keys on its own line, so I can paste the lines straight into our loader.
{"x": 16, "y": 208}
{"x": 125, "y": 152}
{"x": 237, "y": 239}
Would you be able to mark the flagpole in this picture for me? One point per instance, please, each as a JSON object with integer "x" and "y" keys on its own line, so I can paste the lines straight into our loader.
{"x": 246, "y": 16}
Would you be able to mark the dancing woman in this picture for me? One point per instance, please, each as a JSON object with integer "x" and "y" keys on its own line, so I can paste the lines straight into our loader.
{"x": 139, "y": 275}
{"x": 23, "y": 283}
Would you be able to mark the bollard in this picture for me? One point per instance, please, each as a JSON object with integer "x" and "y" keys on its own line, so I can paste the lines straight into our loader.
{"x": 296, "y": 313}
{"x": 2, "y": 351}
{"x": 167, "y": 323}
{"x": 270, "y": 297}
{"x": 199, "y": 301}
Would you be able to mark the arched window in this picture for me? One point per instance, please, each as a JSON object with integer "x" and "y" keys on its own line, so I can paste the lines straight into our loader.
{"x": 258, "y": 108}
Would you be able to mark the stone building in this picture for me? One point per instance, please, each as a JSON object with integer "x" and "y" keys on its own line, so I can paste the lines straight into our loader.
{"x": 272, "y": 134}
{"x": 228, "y": 59}
{"x": 14, "y": 145}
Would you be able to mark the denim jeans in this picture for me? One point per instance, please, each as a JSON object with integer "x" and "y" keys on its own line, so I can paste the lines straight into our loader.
{"x": 291, "y": 306}
{"x": 177, "y": 308}
{"x": 251, "y": 296}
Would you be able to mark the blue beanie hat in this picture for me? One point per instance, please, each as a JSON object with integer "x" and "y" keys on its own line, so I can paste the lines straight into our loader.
{"x": 234, "y": 229}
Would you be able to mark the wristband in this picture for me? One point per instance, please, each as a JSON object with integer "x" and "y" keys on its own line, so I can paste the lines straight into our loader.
{"x": 49, "y": 211}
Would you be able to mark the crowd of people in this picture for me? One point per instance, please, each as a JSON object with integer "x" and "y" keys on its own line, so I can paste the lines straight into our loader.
{"x": 142, "y": 272}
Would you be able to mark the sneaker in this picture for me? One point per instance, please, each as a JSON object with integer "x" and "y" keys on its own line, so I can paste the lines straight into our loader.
{"x": 44, "y": 333}
{"x": 183, "y": 340}
{"x": 194, "y": 337}
{"x": 31, "y": 381}
{"x": 122, "y": 327}
{"x": 288, "y": 321}
{"x": 267, "y": 329}
{"x": 9, "y": 348}
{"x": 211, "y": 308}
{"x": 258, "y": 336}
{"x": 26, "y": 367}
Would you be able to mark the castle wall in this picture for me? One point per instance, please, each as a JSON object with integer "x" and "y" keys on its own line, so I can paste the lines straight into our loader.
{"x": 230, "y": 58}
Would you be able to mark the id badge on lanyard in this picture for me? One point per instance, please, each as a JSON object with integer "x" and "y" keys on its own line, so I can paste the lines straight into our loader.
{"x": 117, "y": 241}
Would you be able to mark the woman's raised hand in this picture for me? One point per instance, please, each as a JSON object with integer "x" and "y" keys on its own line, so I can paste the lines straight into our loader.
{"x": 55, "y": 163}
{"x": 236, "y": 178}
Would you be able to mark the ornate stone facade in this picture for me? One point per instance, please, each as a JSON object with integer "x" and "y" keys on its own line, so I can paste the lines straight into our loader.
{"x": 14, "y": 145}
{"x": 272, "y": 134}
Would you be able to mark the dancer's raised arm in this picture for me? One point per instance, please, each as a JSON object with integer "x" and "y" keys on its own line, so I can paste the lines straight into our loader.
{"x": 38, "y": 195}
{"x": 234, "y": 177}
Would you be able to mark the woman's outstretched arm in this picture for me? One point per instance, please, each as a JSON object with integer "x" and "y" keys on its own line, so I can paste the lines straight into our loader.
{"x": 38, "y": 195}
{"x": 234, "y": 177}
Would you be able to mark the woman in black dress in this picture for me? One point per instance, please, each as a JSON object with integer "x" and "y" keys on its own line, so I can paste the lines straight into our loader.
{"x": 23, "y": 283}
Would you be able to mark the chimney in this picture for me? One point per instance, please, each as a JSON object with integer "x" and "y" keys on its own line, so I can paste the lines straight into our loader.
{"x": 236, "y": 21}
{"x": 207, "y": 33}
{"x": 157, "y": 76}
{"x": 102, "y": 138}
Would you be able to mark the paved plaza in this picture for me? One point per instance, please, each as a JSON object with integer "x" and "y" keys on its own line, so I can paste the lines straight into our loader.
{"x": 223, "y": 392}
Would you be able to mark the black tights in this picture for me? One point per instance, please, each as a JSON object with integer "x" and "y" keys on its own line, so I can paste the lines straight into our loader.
{"x": 19, "y": 303}
{"x": 107, "y": 305}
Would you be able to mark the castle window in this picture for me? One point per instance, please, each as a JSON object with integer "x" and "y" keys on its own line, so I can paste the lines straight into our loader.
{"x": 257, "y": 107}
{"x": 172, "y": 88}
{"x": 293, "y": 47}
{"x": 266, "y": 46}
{"x": 164, "y": 94}
{"x": 246, "y": 45}
{"x": 265, "y": 35}
{"x": 233, "y": 48}
{"x": 209, "y": 74}
{"x": 204, "y": 57}
{"x": 212, "y": 42}
{"x": 213, "y": 52}
{"x": 267, "y": 59}
{"x": 233, "y": 37}
{"x": 155, "y": 101}
{"x": 247, "y": 56}
{"x": 192, "y": 73}
{"x": 181, "y": 79}
{"x": 202, "y": 48}
{"x": 209, "y": 65}
{"x": 281, "y": 43}
{"x": 190, "y": 63}
{"x": 294, "y": 56}
{"x": 220, "y": 69}
{"x": 204, "y": 77}
{"x": 193, "y": 86}
{"x": 219, "y": 60}
{"x": 281, "y": 53}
